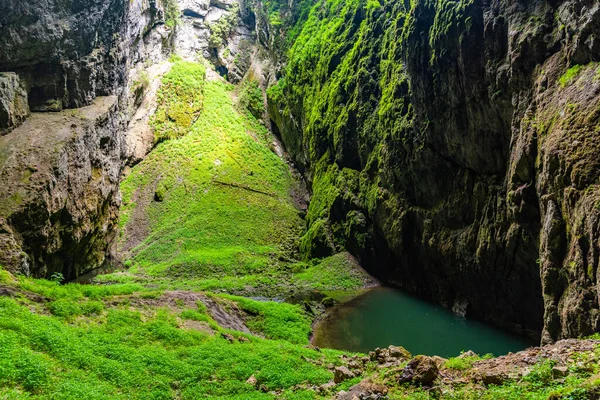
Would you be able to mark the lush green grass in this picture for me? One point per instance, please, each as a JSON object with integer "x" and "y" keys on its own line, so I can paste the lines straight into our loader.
{"x": 225, "y": 208}
{"x": 464, "y": 363}
{"x": 217, "y": 210}
{"x": 335, "y": 273}
{"x": 180, "y": 100}
{"x": 105, "y": 345}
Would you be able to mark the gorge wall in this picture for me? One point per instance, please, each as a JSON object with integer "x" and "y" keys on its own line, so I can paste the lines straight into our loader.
{"x": 63, "y": 113}
{"x": 453, "y": 147}
{"x": 77, "y": 81}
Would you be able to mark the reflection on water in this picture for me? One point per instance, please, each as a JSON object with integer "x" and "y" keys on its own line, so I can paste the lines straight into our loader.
{"x": 385, "y": 316}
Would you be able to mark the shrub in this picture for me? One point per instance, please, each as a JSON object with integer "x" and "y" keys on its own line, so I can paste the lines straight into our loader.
{"x": 251, "y": 98}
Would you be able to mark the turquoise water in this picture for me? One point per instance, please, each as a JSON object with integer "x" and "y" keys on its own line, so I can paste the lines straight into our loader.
{"x": 385, "y": 316}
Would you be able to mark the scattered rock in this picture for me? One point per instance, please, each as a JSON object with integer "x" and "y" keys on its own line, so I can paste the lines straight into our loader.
{"x": 492, "y": 377}
{"x": 560, "y": 371}
{"x": 365, "y": 390}
{"x": 421, "y": 369}
{"x": 439, "y": 361}
{"x": 399, "y": 352}
{"x": 228, "y": 336}
{"x": 252, "y": 381}
{"x": 342, "y": 374}
{"x": 466, "y": 354}
{"x": 326, "y": 387}
{"x": 353, "y": 364}
{"x": 328, "y": 302}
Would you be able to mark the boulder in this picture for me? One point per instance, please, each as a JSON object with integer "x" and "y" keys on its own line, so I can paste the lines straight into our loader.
{"x": 326, "y": 387}
{"x": 13, "y": 102}
{"x": 399, "y": 352}
{"x": 421, "y": 369}
{"x": 252, "y": 381}
{"x": 560, "y": 371}
{"x": 492, "y": 377}
{"x": 469, "y": 353}
{"x": 341, "y": 374}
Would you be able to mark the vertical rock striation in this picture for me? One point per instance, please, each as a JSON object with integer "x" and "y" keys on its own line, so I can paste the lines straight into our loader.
{"x": 453, "y": 147}
{"x": 69, "y": 63}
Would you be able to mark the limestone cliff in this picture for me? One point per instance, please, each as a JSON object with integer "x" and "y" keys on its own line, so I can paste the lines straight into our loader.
{"x": 453, "y": 147}
{"x": 60, "y": 167}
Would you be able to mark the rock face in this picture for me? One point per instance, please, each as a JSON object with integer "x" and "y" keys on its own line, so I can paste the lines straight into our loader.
{"x": 61, "y": 182}
{"x": 453, "y": 148}
{"x": 60, "y": 171}
{"x": 67, "y": 53}
{"x": 60, "y": 178}
{"x": 13, "y": 102}
{"x": 221, "y": 31}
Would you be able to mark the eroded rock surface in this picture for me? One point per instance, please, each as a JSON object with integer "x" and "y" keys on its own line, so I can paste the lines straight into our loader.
{"x": 13, "y": 102}
{"x": 60, "y": 188}
{"x": 452, "y": 147}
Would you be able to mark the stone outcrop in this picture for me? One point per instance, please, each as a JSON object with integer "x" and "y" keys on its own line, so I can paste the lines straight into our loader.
{"x": 452, "y": 147}
{"x": 58, "y": 56}
{"x": 13, "y": 102}
{"x": 420, "y": 370}
{"x": 60, "y": 188}
{"x": 221, "y": 31}
{"x": 60, "y": 170}
{"x": 65, "y": 53}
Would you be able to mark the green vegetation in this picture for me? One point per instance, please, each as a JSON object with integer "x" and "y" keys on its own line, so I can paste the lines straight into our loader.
{"x": 345, "y": 83}
{"x": 112, "y": 342}
{"x": 569, "y": 75}
{"x": 285, "y": 19}
{"x": 172, "y": 13}
{"x": 220, "y": 29}
{"x": 209, "y": 217}
{"x": 180, "y": 100}
{"x": 216, "y": 212}
{"x": 464, "y": 362}
{"x": 333, "y": 274}
{"x": 224, "y": 209}
{"x": 251, "y": 98}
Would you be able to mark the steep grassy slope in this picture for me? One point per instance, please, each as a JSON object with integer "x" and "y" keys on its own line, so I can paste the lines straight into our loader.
{"x": 215, "y": 208}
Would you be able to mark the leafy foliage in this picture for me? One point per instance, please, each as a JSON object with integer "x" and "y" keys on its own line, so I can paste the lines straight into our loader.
{"x": 251, "y": 98}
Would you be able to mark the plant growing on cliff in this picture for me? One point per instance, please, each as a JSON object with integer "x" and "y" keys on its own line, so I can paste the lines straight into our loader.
{"x": 569, "y": 75}
{"x": 251, "y": 98}
{"x": 172, "y": 13}
{"x": 221, "y": 28}
{"x": 180, "y": 100}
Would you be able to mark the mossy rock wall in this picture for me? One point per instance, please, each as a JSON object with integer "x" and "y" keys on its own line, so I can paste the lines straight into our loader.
{"x": 410, "y": 120}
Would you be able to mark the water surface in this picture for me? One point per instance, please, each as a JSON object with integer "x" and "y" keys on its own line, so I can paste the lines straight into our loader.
{"x": 385, "y": 316}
